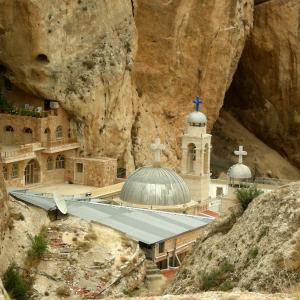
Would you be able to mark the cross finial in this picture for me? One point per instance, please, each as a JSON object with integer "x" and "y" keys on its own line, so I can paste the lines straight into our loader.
{"x": 197, "y": 103}
{"x": 157, "y": 147}
{"x": 240, "y": 154}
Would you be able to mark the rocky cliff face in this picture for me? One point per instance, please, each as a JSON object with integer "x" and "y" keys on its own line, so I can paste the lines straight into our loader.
{"x": 265, "y": 94}
{"x": 81, "y": 53}
{"x": 260, "y": 252}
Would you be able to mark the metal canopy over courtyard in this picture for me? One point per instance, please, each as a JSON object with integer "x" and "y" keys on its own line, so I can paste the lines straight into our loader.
{"x": 143, "y": 225}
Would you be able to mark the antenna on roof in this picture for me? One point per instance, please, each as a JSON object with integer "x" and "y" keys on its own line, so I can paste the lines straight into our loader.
{"x": 60, "y": 203}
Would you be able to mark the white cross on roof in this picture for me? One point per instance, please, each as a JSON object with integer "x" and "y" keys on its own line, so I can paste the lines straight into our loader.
{"x": 240, "y": 154}
{"x": 157, "y": 147}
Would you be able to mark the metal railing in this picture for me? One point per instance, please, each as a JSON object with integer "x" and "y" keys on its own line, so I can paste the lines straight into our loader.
{"x": 59, "y": 142}
{"x": 22, "y": 150}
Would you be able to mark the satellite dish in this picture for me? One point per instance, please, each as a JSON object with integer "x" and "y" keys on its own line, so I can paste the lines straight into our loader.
{"x": 60, "y": 203}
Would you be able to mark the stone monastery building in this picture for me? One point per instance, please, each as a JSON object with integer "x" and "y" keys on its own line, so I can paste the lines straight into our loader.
{"x": 38, "y": 146}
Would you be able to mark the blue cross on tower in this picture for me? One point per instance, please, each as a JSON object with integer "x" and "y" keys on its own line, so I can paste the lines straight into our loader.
{"x": 197, "y": 103}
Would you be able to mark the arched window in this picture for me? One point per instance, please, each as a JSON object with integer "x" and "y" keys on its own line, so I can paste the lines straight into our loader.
{"x": 206, "y": 166}
{"x": 5, "y": 172}
{"x": 8, "y": 135}
{"x": 50, "y": 163}
{"x": 47, "y": 133}
{"x": 28, "y": 135}
{"x": 59, "y": 132}
{"x": 191, "y": 157}
{"x": 28, "y": 130}
{"x": 15, "y": 170}
{"x": 60, "y": 162}
{"x": 9, "y": 128}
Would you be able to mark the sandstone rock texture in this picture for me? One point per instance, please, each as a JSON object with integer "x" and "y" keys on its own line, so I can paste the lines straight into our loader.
{"x": 121, "y": 93}
{"x": 229, "y": 133}
{"x": 3, "y": 294}
{"x": 258, "y": 251}
{"x": 83, "y": 260}
{"x": 223, "y": 296}
{"x": 265, "y": 94}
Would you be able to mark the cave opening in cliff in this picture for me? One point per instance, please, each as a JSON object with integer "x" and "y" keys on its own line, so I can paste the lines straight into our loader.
{"x": 42, "y": 58}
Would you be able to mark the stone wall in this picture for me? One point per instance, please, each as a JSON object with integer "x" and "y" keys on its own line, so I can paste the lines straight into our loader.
{"x": 98, "y": 172}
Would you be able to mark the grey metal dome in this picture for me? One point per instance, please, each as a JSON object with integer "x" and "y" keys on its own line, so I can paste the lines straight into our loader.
{"x": 155, "y": 186}
{"x": 239, "y": 171}
{"x": 197, "y": 117}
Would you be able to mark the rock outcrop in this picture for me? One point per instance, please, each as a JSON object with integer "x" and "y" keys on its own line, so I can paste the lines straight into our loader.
{"x": 81, "y": 53}
{"x": 265, "y": 94}
{"x": 264, "y": 161}
{"x": 83, "y": 260}
{"x": 260, "y": 252}
{"x": 3, "y": 294}
{"x": 223, "y": 296}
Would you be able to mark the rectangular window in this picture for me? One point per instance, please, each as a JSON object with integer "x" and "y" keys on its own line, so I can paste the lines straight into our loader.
{"x": 219, "y": 191}
{"x": 161, "y": 247}
{"x": 15, "y": 171}
{"x": 5, "y": 172}
{"x": 79, "y": 167}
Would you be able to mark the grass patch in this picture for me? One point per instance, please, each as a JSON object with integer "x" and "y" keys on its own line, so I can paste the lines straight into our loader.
{"x": 16, "y": 286}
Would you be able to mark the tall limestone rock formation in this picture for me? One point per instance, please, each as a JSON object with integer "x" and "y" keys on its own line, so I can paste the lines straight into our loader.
{"x": 259, "y": 251}
{"x": 265, "y": 93}
{"x": 84, "y": 54}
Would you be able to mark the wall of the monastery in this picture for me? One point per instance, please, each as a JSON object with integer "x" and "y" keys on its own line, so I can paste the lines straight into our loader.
{"x": 46, "y": 176}
{"x": 37, "y": 125}
{"x": 182, "y": 243}
{"x": 199, "y": 187}
{"x": 96, "y": 172}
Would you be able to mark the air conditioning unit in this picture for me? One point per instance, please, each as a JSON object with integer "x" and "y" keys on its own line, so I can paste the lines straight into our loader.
{"x": 54, "y": 104}
{"x": 39, "y": 109}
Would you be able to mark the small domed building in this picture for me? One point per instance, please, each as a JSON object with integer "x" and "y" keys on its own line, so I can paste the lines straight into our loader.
{"x": 239, "y": 172}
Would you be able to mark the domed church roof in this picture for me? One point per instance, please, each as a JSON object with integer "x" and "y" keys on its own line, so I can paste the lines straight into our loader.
{"x": 155, "y": 186}
{"x": 197, "y": 117}
{"x": 239, "y": 171}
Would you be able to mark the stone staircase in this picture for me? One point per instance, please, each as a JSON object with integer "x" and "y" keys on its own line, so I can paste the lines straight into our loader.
{"x": 152, "y": 271}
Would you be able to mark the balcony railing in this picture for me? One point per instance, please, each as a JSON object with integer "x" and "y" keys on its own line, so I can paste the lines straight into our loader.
{"x": 21, "y": 151}
{"x": 59, "y": 142}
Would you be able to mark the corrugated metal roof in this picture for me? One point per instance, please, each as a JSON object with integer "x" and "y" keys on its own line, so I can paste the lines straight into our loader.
{"x": 144, "y": 225}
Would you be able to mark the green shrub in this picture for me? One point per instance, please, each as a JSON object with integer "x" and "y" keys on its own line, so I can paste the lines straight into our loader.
{"x": 38, "y": 246}
{"x": 253, "y": 252}
{"x": 226, "y": 286}
{"x": 16, "y": 286}
{"x": 246, "y": 195}
{"x": 217, "y": 279}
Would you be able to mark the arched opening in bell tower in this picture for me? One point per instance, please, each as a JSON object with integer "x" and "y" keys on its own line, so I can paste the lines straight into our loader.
{"x": 191, "y": 157}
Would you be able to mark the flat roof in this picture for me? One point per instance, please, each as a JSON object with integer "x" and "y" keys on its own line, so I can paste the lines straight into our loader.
{"x": 143, "y": 225}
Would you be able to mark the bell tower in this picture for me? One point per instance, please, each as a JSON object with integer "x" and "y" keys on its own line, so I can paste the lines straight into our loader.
{"x": 196, "y": 147}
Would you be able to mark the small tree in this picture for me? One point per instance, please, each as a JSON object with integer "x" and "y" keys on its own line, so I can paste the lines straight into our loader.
{"x": 16, "y": 286}
{"x": 246, "y": 195}
{"x": 38, "y": 246}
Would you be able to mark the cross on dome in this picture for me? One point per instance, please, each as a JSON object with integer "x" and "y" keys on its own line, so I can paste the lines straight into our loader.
{"x": 240, "y": 153}
{"x": 197, "y": 103}
{"x": 156, "y": 148}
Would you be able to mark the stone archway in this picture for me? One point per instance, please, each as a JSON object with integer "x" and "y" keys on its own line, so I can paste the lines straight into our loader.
{"x": 191, "y": 157}
{"x": 32, "y": 172}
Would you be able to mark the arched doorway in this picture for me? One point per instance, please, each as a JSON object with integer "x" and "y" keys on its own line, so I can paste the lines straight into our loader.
{"x": 8, "y": 135}
{"x": 191, "y": 157}
{"x": 28, "y": 135}
{"x": 206, "y": 159}
{"x": 32, "y": 172}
